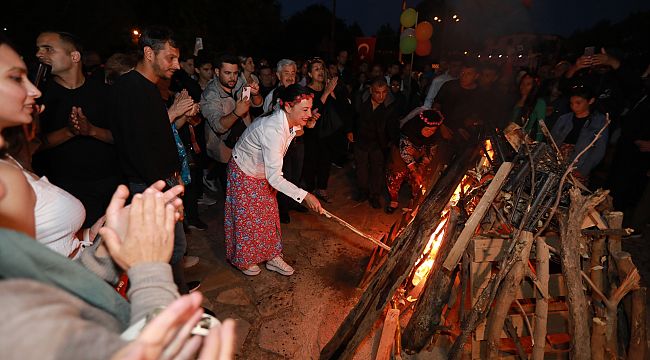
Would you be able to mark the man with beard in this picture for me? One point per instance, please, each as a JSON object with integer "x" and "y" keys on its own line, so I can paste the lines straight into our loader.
{"x": 226, "y": 112}
{"x": 79, "y": 158}
{"x": 141, "y": 126}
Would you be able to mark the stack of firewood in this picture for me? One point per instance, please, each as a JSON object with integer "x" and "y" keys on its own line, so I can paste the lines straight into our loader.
{"x": 540, "y": 218}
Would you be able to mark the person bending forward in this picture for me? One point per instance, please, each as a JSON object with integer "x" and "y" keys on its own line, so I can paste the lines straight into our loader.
{"x": 251, "y": 219}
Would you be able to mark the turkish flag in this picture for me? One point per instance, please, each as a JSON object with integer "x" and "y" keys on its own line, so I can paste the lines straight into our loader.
{"x": 366, "y": 49}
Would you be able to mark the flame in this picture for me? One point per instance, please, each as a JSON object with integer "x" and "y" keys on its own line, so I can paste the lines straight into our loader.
{"x": 431, "y": 250}
{"x": 489, "y": 149}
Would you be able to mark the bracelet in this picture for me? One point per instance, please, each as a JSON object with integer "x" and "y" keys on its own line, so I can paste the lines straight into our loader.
{"x": 234, "y": 113}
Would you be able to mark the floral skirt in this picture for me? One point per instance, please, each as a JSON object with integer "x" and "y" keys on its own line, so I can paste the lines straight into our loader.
{"x": 251, "y": 219}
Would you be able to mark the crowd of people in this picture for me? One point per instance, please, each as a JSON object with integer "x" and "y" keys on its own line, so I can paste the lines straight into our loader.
{"x": 152, "y": 128}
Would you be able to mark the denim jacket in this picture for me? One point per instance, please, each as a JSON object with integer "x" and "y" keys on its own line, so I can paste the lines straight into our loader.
{"x": 593, "y": 156}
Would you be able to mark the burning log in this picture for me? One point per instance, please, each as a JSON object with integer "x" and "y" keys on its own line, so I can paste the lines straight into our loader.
{"x": 570, "y": 259}
{"x": 408, "y": 247}
{"x": 429, "y": 306}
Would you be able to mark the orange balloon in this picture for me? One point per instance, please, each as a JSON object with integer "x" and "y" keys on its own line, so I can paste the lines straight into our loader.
{"x": 423, "y": 31}
{"x": 423, "y": 48}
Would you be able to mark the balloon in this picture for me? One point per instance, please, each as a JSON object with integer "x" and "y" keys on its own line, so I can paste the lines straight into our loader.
{"x": 423, "y": 48}
{"x": 423, "y": 31}
{"x": 407, "y": 32}
{"x": 408, "y": 17}
{"x": 408, "y": 44}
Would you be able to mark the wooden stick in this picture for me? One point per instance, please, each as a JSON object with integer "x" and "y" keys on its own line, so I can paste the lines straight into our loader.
{"x": 329, "y": 215}
{"x": 474, "y": 220}
{"x": 388, "y": 335}
{"x": 541, "y": 303}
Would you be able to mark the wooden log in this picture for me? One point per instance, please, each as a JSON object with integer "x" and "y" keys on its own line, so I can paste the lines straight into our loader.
{"x": 426, "y": 318}
{"x": 638, "y": 338}
{"x": 635, "y": 308}
{"x": 475, "y": 219}
{"x": 598, "y": 338}
{"x": 614, "y": 221}
{"x": 505, "y": 298}
{"x": 541, "y": 304}
{"x": 597, "y": 269}
{"x": 388, "y": 335}
{"x": 408, "y": 247}
{"x": 570, "y": 260}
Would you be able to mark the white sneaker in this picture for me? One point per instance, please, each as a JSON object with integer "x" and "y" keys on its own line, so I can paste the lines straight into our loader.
{"x": 206, "y": 200}
{"x": 278, "y": 265}
{"x": 189, "y": 261}
{"x": 252, "y": 271}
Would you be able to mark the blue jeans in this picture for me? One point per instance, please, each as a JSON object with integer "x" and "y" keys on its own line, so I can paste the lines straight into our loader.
{"x": 180, "y": 243}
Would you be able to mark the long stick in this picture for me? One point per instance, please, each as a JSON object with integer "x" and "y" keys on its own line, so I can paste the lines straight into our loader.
{"x": 329, "y": 215}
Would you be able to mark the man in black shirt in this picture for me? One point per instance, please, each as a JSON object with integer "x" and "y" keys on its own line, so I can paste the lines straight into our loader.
{"x": 77, "y": 152}
{"x": 376, "y": 126}
{"x": 460, "y": 103}
{"x": 141, "y": 126}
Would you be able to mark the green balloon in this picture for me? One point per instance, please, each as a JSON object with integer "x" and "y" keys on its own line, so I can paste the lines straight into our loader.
{"x": 408, "y": 17}
{"x": 408, "y": 44}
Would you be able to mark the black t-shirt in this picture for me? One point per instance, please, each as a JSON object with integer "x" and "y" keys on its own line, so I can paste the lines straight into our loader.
{"x": 459, "y": 105}
{"x": 142, "y": 131}
{"x": 81, "y": 158}
{"x": 574, "y": 134}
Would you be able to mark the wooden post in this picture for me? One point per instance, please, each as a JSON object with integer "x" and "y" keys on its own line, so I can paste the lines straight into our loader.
{"x": 475, "y": 219}
{"x": 614, "y": 221}
{"x": 571, "y": 269}
{"x": 639, "y": 337}
{"x": 598, "y": 338}
{"x": 635, "y": 309}
{"x": 541, "y": 303}
{"x": 408, "y": 247}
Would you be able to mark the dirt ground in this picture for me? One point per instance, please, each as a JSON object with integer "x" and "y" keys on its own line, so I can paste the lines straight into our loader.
{"x": 291, "y": 317}
{"x": 281, "y": 317}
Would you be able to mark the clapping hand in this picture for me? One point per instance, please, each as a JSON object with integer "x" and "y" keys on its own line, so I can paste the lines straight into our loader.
{"x": 79, "y": 124}
{"x": 168, "y": 335}
{"x": 183, "y": 105}
{"x": 144, "y": 230}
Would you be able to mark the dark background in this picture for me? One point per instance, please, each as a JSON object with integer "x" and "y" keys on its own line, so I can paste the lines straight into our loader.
{"x": 302, "y": 28}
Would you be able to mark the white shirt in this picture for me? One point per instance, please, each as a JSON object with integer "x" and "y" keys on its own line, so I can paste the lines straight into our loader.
{"x": 267, "y": 101}
{"x": 57, "y": 214}
{"x": 260, "y": 150}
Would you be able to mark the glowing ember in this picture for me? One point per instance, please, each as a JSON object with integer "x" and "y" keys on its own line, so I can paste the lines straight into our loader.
{"x": 435, "y": 240}
{"x": 430, "y": 251}
{"x": 490, "y": 152}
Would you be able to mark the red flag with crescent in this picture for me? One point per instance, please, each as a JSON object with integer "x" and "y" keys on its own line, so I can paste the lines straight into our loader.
{"x": 366, "y": 49}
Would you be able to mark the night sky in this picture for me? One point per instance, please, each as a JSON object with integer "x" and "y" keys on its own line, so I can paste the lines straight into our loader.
{"x": 488, "y": 17}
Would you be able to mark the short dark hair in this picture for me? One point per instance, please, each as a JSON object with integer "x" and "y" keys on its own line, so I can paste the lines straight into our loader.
{"x": 155, "y": 37}
{"x": 201, "y": 60}
{"x": 227, "y": 59}
{"x": 264, "y": 67}
{"x": 396, "y": 78}
{"x": 68, "y": 38}
{"x": 378, "y": 81}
